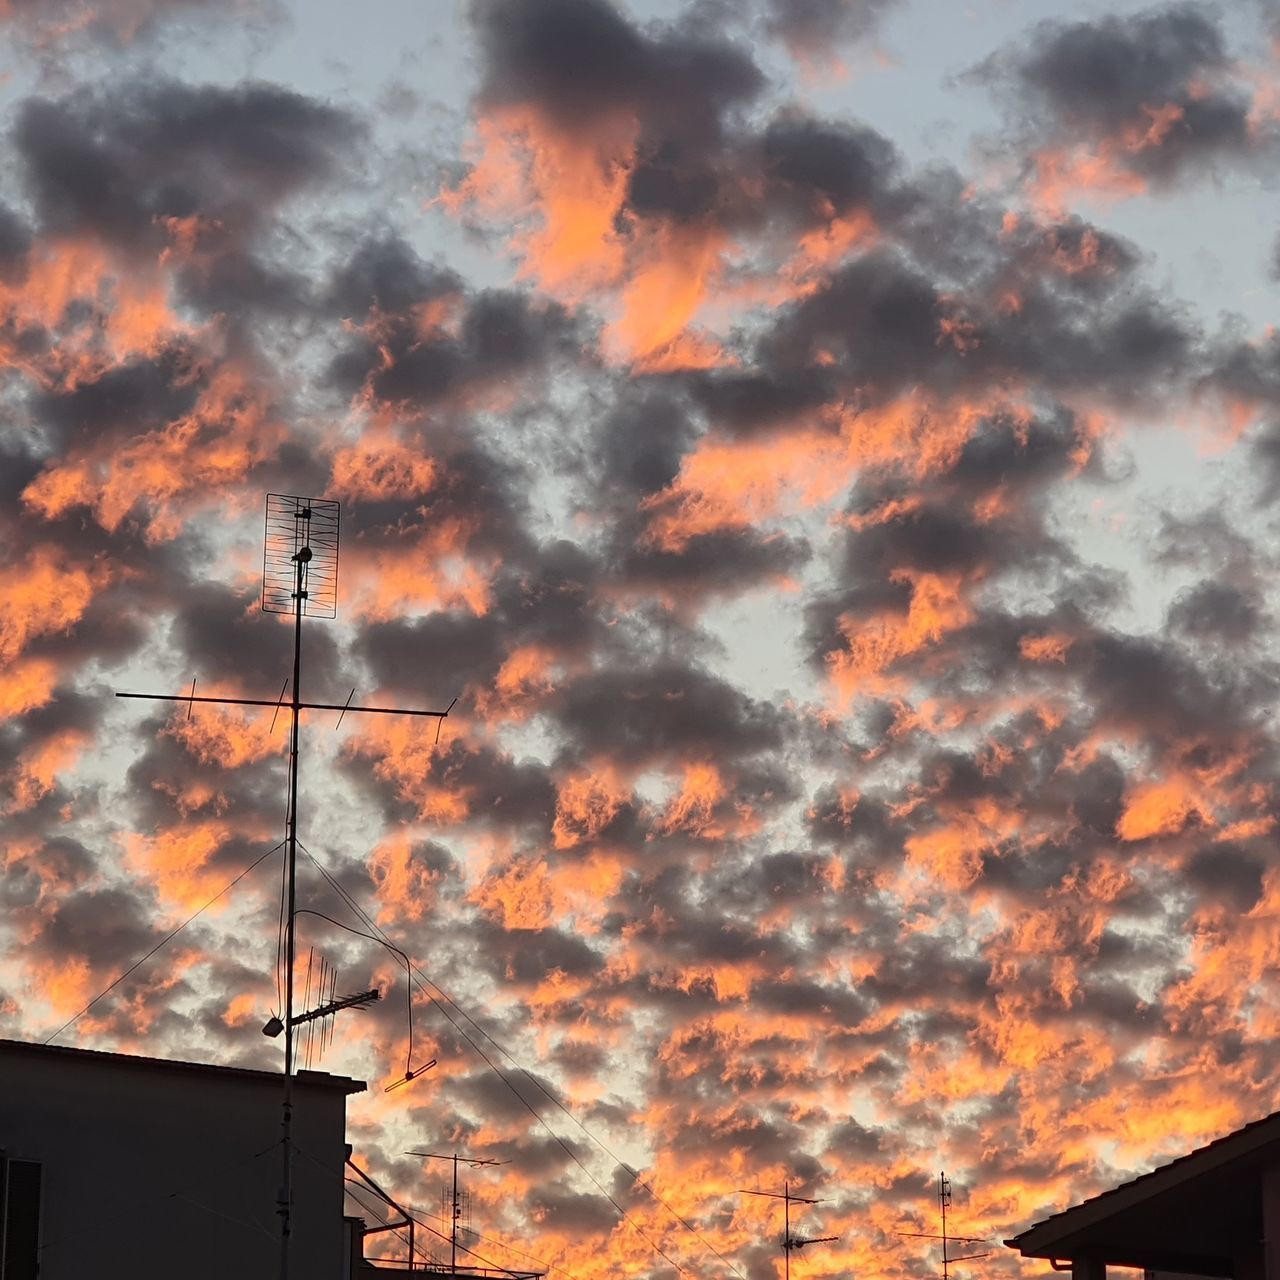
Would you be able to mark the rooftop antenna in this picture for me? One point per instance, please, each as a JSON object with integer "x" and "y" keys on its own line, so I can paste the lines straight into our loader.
{"x": 455, "y": 1210}
{"x": 299, "y": 577}
{"x": 790, "y": 1242}
{"x": 944, "y": 1203}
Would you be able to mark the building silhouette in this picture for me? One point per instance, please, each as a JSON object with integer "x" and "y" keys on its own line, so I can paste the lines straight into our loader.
{"x": 113, "y": 1165}
{"x": 1212, "y": 1212}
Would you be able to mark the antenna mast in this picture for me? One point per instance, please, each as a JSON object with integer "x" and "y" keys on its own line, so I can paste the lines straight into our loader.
{"x": 455, "y": 1205}
{"x": 790, "y": 1242}
{"x": 299, "y": 577}
{"x": 944, "y": 1203}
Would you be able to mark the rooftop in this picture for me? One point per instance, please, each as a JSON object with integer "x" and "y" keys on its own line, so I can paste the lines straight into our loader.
{"x": 1197, "y": 1214}
{"x": 97, "y": 1057}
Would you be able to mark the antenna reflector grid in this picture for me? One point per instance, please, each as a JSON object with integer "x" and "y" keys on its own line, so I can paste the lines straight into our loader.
{"x": 292, "y": 524}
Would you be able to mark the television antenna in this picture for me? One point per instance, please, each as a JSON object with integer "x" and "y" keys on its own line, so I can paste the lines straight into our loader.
{"x": 299, "y": 577}
{"x": 319, "y": 1020}
{"x": 944, "y": 1203}
{"x": 455, "y": 1213}
{"x": 790, "y": 1243}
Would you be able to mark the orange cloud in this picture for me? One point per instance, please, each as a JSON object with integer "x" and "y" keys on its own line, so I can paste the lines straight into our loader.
{"x": 177, "y": 861}
{"x": 37, "y": 768}
{"x": 519, "y": 162}
{"x": 169, "y": 470}
{"x": 952, "y": 854}
{"x": 406, "y": 886}
{"x": 424, "y": 568}
{"x": 519, "y": 896}
{"x": 44, "y": 593}
{"x": 1051, "y": 647}
{"x": 228, "y": 737}
{"x": 873, "y": 644}
{"x": 27, "y": 684}
{"x": 728, "y": 484}
{"x": 376, "y": 469}
{"x": 564, "y": 195}
{"x": 404, "y": 754}
{"x": 585, "y": 804}
{"x": 1161, "y": 809}
{"x": 1103, "y": 169}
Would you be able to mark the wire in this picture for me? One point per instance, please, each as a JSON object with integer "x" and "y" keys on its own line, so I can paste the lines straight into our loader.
{"x": 537, "y": 1084}
{"x": 423, "y": 982}
{"x": 502, "y": 1244}
{"x": 418, "y": 1209}
{"x": 306, "y": 911}
{"x": 163, "y": 941}
{"x": 423, "y": 978}
{"x": 226, "y": 1217}
{"x": 376, "y": 1213}
{"x": 560, "y": 1142}
{"x": 426, "y": 1226}
{"x": 152, "y": 1196}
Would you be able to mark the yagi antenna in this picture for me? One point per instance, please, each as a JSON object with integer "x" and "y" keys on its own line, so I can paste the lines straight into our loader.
{"x": 299, "y": 577}
{"x": 791, "y": 1243}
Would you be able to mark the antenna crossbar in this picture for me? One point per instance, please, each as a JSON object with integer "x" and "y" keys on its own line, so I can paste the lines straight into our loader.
{"x": 799, "y": 1242}
{"x": 931, "y": 1235}
{"x": 780, "y": 1195}
{"x": 357, "y": 1001}
{"x": 302, "y": 706}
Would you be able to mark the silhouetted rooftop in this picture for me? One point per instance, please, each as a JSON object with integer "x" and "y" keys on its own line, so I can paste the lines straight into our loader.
{"x": 315, "y": 1079}
{"x": 1195, "y": 1214}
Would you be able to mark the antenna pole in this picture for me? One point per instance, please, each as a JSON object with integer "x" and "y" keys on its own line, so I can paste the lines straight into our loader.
{"x": 299, "y": 576}
{"x": 453, "y": 1229}
{"x": 944, "y": 1198}
{"x": 286, "y": 1185}
{"x": 789, "y": 1241}
{"x": 786, "y": 1228}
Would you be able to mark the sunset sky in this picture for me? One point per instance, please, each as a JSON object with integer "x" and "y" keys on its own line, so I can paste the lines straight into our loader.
{"x": 829, "y": 448}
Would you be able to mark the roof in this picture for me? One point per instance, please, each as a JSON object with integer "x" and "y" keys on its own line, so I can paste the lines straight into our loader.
{"x": 97, "y": 1057}
{"x": 1193, "y": 1214}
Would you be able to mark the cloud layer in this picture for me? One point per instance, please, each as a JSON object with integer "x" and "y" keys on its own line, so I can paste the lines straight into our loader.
{"x": 977, "y": 876}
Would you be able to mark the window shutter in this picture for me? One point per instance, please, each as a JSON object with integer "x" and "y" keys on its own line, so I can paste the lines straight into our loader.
{"x": 19, "y": 1219}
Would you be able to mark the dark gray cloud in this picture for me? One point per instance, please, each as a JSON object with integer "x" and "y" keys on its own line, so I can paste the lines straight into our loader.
{"x": 580, "y": 61}
{"x": 1229, "y": 874}
{"x": 387, "y": 274}
{"x": 829, "y": 168}
{"x": 478, "y": 343}
{"x": 664, "y": 709}
{"x": 225, "y": 636}
{"x": 126, "y": 400}
{"x": 883, "y": 323}
{"x": 817, "y": 27}
{"x": 931, "y": 874}
{"x": 1158, "y": 89}
{"x": 121, "y": 163}
{"x": 1217, "y": 610}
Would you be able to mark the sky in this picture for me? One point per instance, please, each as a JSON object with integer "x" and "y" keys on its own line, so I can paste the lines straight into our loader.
{"x": 828, "y": 448}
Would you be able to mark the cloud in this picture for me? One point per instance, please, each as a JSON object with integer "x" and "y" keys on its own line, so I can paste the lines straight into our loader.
{"x": 1130, "y": 103}
{"x": 988, "y": 873}
{"x": 114, "y": 23}
{"x": 578, "y": 60}
{"x": 170, "y": 152}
